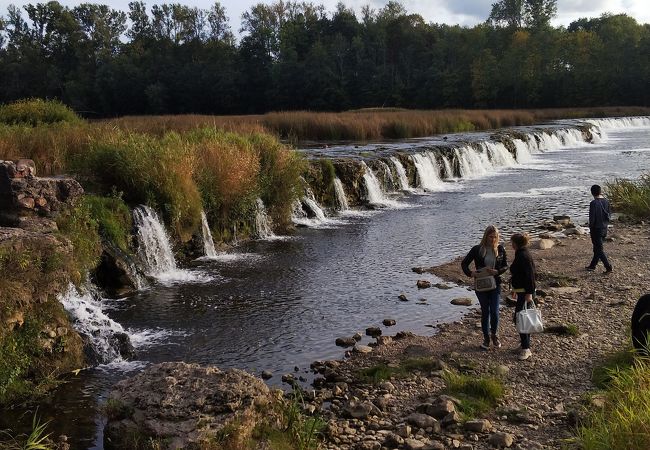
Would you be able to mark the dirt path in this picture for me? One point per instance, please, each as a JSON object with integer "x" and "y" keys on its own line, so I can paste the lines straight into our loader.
{"x": 542, "y": 392}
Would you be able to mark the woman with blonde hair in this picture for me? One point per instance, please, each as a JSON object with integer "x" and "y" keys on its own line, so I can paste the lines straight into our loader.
{"x": 522, "y": 282}
{"x": 490, "y": 261}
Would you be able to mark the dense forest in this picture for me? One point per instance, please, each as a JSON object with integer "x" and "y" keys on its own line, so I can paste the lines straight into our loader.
{"x": 172, "y": 59}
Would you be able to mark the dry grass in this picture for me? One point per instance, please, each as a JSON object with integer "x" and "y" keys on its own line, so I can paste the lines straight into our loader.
{"x": 366, "y": 124}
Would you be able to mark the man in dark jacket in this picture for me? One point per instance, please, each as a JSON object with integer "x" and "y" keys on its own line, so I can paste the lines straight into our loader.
{"x": 599, "y": 213}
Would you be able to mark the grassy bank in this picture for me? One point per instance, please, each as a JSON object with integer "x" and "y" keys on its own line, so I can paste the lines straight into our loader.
{"x": 367, "y": 124}
{"x": 622, "y": 420}
{"x": 176, "y": 170}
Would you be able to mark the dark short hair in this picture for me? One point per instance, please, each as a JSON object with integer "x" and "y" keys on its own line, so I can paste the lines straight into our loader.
{"x": 520, "y": 239}
{"x": 595, "y": 190}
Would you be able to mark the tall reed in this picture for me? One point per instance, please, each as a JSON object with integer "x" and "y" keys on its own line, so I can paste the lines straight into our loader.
{"x": 631, "y": 197}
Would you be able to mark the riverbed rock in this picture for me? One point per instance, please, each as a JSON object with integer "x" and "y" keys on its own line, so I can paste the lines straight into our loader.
{"x": 478, "y": 425}
{"x": 117, "y": 273}
{"x": 501, "y": 440}
{"x": 543, "y": 244}
{"x": 462, "y": 301}
{"x": 423, "y": 284}
{"x": 403, "y": 297}
{"x": 183, "y": 404}
{"x": 373, "y": 332}
{"x": 389, "y": 322}
{"x": 345, "y": 342}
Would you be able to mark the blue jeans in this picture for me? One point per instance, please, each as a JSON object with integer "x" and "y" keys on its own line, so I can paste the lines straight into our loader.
{"x": 525, "y": 338}
{"x": 597, "y": 236}
{"x": 489, "y": 311}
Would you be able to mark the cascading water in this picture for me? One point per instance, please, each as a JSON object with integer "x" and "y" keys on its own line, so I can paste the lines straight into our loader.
{"x": 471, "y": 163}
{"x": 499, "y": 155}
{"x": 263, "y": 227}
{"x": 208, "y": 243}
{"x": 100, "y": 331}
{"x": 310, "y": 201}
{"x": 375, "y": 195}
{"x": 449, "y": 172}
{"x": 155, "y": 250}
{"x": 389, "y": 179}
{"x": 427, "y": 170}
{"x": 401, "y": 174}
{"x": 621, "y": 122}
{"x": 341, "y": 198}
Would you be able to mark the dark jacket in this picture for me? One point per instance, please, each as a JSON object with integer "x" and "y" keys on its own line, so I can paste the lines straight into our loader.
{"x": 475, "y": 256}
{"x": 523, "y": 271}
{"x": 599, "y": 213}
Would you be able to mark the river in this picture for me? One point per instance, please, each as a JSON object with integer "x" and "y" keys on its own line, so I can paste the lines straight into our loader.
{"x": 280, "y": 303}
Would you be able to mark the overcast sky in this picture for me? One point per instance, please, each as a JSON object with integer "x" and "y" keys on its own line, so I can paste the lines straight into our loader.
{"x": 463, "y": 12}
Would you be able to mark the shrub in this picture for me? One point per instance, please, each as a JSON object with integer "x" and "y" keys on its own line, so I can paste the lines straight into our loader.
{"x": 36, "y": 111}
{"x": 631, "y": 197}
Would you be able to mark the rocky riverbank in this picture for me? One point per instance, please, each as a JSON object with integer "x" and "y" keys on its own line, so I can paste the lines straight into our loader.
{"x": 587, "y": 315}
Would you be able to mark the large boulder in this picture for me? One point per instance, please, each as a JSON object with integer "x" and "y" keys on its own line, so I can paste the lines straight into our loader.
{"x": 117, "y": 273}
{"x": 182, "y": 405}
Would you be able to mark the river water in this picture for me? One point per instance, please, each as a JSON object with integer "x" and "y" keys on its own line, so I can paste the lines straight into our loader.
{"x": 278, "y": 304}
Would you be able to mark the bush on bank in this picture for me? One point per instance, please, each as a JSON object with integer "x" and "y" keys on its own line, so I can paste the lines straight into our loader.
{"x": 631, "y": 197}
{"x": 36, "y": 111}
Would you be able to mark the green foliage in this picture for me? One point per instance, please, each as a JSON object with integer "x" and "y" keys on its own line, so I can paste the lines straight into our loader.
{"x": 624, "y": 421}
{"x": 36, "y": 112}
{"x": 477, "y": 394}
{"x": 113, "y": 218}
{"x": 78, "y": 225}
{"x": 631, "y": 197}
{"x": 304, "y": 430}
{"x": 17, "y": 350}
{"x": 616, "y": 362}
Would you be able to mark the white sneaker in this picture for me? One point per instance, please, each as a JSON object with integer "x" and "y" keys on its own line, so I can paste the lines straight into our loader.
{"x": 525, "y": 354}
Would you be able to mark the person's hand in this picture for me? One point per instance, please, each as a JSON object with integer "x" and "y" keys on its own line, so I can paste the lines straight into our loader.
{"x": 529, "y": 297}
{"x": 493, "y": 272}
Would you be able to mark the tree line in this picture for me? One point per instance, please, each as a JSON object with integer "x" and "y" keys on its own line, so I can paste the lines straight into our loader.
{"x": 173, "y": 59}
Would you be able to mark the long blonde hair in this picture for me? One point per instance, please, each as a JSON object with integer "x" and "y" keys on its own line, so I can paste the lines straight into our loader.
{"x": 484, "y": 242}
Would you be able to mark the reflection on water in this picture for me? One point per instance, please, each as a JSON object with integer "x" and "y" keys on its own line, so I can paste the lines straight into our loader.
{"x": 283, "y": 302}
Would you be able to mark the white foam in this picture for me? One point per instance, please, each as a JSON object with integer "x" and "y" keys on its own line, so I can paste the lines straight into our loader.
{"x": 535, "y": 192}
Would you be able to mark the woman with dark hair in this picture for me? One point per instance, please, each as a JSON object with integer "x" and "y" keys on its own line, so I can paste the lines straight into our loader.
{"x": 522, "y": 283}
{"x": 489, "y": 260}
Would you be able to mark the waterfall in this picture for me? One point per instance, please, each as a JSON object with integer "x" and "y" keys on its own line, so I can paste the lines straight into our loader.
{"x": 102, "y": 334}
{"x": 155, "y": 249}
{"x": 263, "y": 228}
{"x": 401, "y": 174}
{"x": 499, "y": 155}
{"x": 389, "y": 179}
{"x": 471, "y": 164}
{"x": 621, "y": 122}
{"x": 427, "y": 170}
{"x": 310, "y": 201}
{"x": 341, "y": 199}
{"x": 375, "y": 195}
{"x": 523, "y": 151}
{"x": 449, "y": 172}
{"x": 208, "y": 243}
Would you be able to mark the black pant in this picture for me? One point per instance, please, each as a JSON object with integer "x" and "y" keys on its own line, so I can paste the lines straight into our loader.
{"x": 597, "y": 236}
{"x": 524, "y": 338}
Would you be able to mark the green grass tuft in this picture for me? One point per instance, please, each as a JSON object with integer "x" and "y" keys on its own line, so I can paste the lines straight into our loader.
{"x": 477, "y": 394}
{"x": 113, "y": 218}
{"x": 382, "y": 372}
{"x": 602, "y": 374}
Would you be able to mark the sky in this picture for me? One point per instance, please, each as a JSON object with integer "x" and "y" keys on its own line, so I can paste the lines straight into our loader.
{"x": 463, "y": 12}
